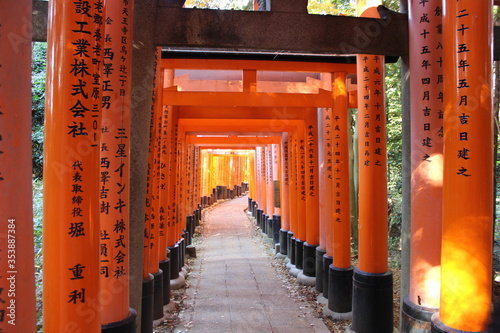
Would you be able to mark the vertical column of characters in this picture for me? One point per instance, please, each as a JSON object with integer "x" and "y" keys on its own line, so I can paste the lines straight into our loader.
{"x": 181, "y": 164}
{"x": 71, "y": 166}
{"x": 263, "y": 176}
{"x": 163, "y": 179}
{"x": 302, "y": 183}
{"x": 341, "y": 174}
{"x": 294, "y": 185}
{"x": 276, "y": 177}
{"x": 197, "y": 175}
{"x": 466, "y": 251}
{"x": 172, "y": 183}
{"x": 17, "y": 301}
{"x": 204, "y": 172}
{"x": 372, "y": 164}
{"x": 269, "y": 180}
{"x": 427, "y": 149}
{"x": 312, "y": 203}
{"x": 285, "y": 183}
{"x": 258, "y": 176}
{"x": 327, "y": 200}
{"x": 189, "y": 174}
{"x": 114, "y": 192}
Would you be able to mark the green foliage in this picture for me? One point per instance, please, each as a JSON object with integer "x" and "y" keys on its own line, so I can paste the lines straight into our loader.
{"x": 332, "y": 7}
{"x": 39, "y": 57}
{"x": 220, "y": 4}
{"x": 394, "y": 141}
{"x": 37, "y": 227}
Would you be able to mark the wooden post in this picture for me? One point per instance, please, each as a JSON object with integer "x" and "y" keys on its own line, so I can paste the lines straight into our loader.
{"x": 285, "y": 192}
{"x": 426, "y": 100}
{"x": 114, "y": 193}
{"x": 71, "y": 168}
{"x": 466, "y": 253}
{"x": 340, "y": 272}
{"x": 372, "y": 291}
{"x": 17, "y": 282}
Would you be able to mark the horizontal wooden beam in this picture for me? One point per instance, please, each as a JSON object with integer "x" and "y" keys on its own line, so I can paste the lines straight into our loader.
{"x": 259, "y": 65}
{"x": 233, "y": 140}
{"x": 282, "y": 32}
{"x": 247, "y": 99}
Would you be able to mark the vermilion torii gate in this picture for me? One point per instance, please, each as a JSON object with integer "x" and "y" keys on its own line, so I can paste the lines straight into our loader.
{"x": 110, "y": 232}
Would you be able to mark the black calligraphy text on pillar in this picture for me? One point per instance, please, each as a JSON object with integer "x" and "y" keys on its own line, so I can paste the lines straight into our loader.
{"x": 85, "y": 110}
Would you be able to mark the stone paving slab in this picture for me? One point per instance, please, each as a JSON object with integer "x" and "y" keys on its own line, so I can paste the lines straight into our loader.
{"x": 234, "y": 287}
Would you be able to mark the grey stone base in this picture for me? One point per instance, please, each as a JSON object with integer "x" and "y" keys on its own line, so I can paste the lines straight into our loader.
{"x": 191, "y": 251}
{"x": 337, "y": 315}
{"x": 178, "y": 283}
{"x": 349, "y": 330}
{"x": 306, "y": 280}
{"x": 166, "y": 308}
{"x": 294, "y": 270}
{"x": 322, "y": 300}
{"x": 281, "y": 256}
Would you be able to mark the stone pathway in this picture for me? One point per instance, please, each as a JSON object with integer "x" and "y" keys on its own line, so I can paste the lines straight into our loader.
{"x": 233, "y": 287}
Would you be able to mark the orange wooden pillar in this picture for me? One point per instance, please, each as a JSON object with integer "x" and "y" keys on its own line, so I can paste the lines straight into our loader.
{"x": 285, "y": 193}
{"x": 149, "y": 305}
{"x": 466, "y": 252}
{"x": 269, "y": 185}
{"x": 114, "y": 174}
{"x": 149, "y": 236}
{"x": 294, "y": 197}
{"x": 17, "y": 285}
{"x": 172, "y": 205}
{"x": 324, "y": 252}
{"x": 251, "y": 172}
{"x": 302, "y": 193}
{"x": 372, "y": 282}
{"x": 71, "y": 169}
{"x": 340, "y": 272}
{"x": 426, "y": 100}
{"x": 312, "y": 194}
{"x": 263, "y": 179}
{"x": 164, "y": 193}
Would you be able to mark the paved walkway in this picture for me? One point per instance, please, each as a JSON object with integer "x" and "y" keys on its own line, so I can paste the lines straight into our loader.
{"x": 233, "y": 287}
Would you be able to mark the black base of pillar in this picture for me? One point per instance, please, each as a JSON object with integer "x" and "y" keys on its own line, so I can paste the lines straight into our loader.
{"x": 293, "y": 250}
{"x": 127, "y": 325}
{"x": 175, "y": 267}
{"x": 416, "y": 318}
{"x": 319, "y": 269}
{"x": 260, "y": 214}
{"x": 327, "y": 261}
{"x": 372, "y": 301}
{"x": 437, "y": 326}
{"x": 165, "y": 267}
{"x": 276, "y": 228}
{"x": 340, "y": 289}
{"x": 263, "y": 223}
{"x": 283, "y": 241}
{"x": 299, "y": 253}
{"x": 309, "y": 260}
{"x": 148, "y": 286}
{"x": 158, "y": 295}
{"x": 182, "y": 253}
{"x": 269, "y": 227}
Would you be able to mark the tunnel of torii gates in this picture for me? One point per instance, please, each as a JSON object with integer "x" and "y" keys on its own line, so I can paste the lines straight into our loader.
{"x": 148, "y": 123}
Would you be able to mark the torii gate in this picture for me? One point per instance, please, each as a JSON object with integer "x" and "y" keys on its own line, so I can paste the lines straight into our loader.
{"x": 467, "y": 134}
